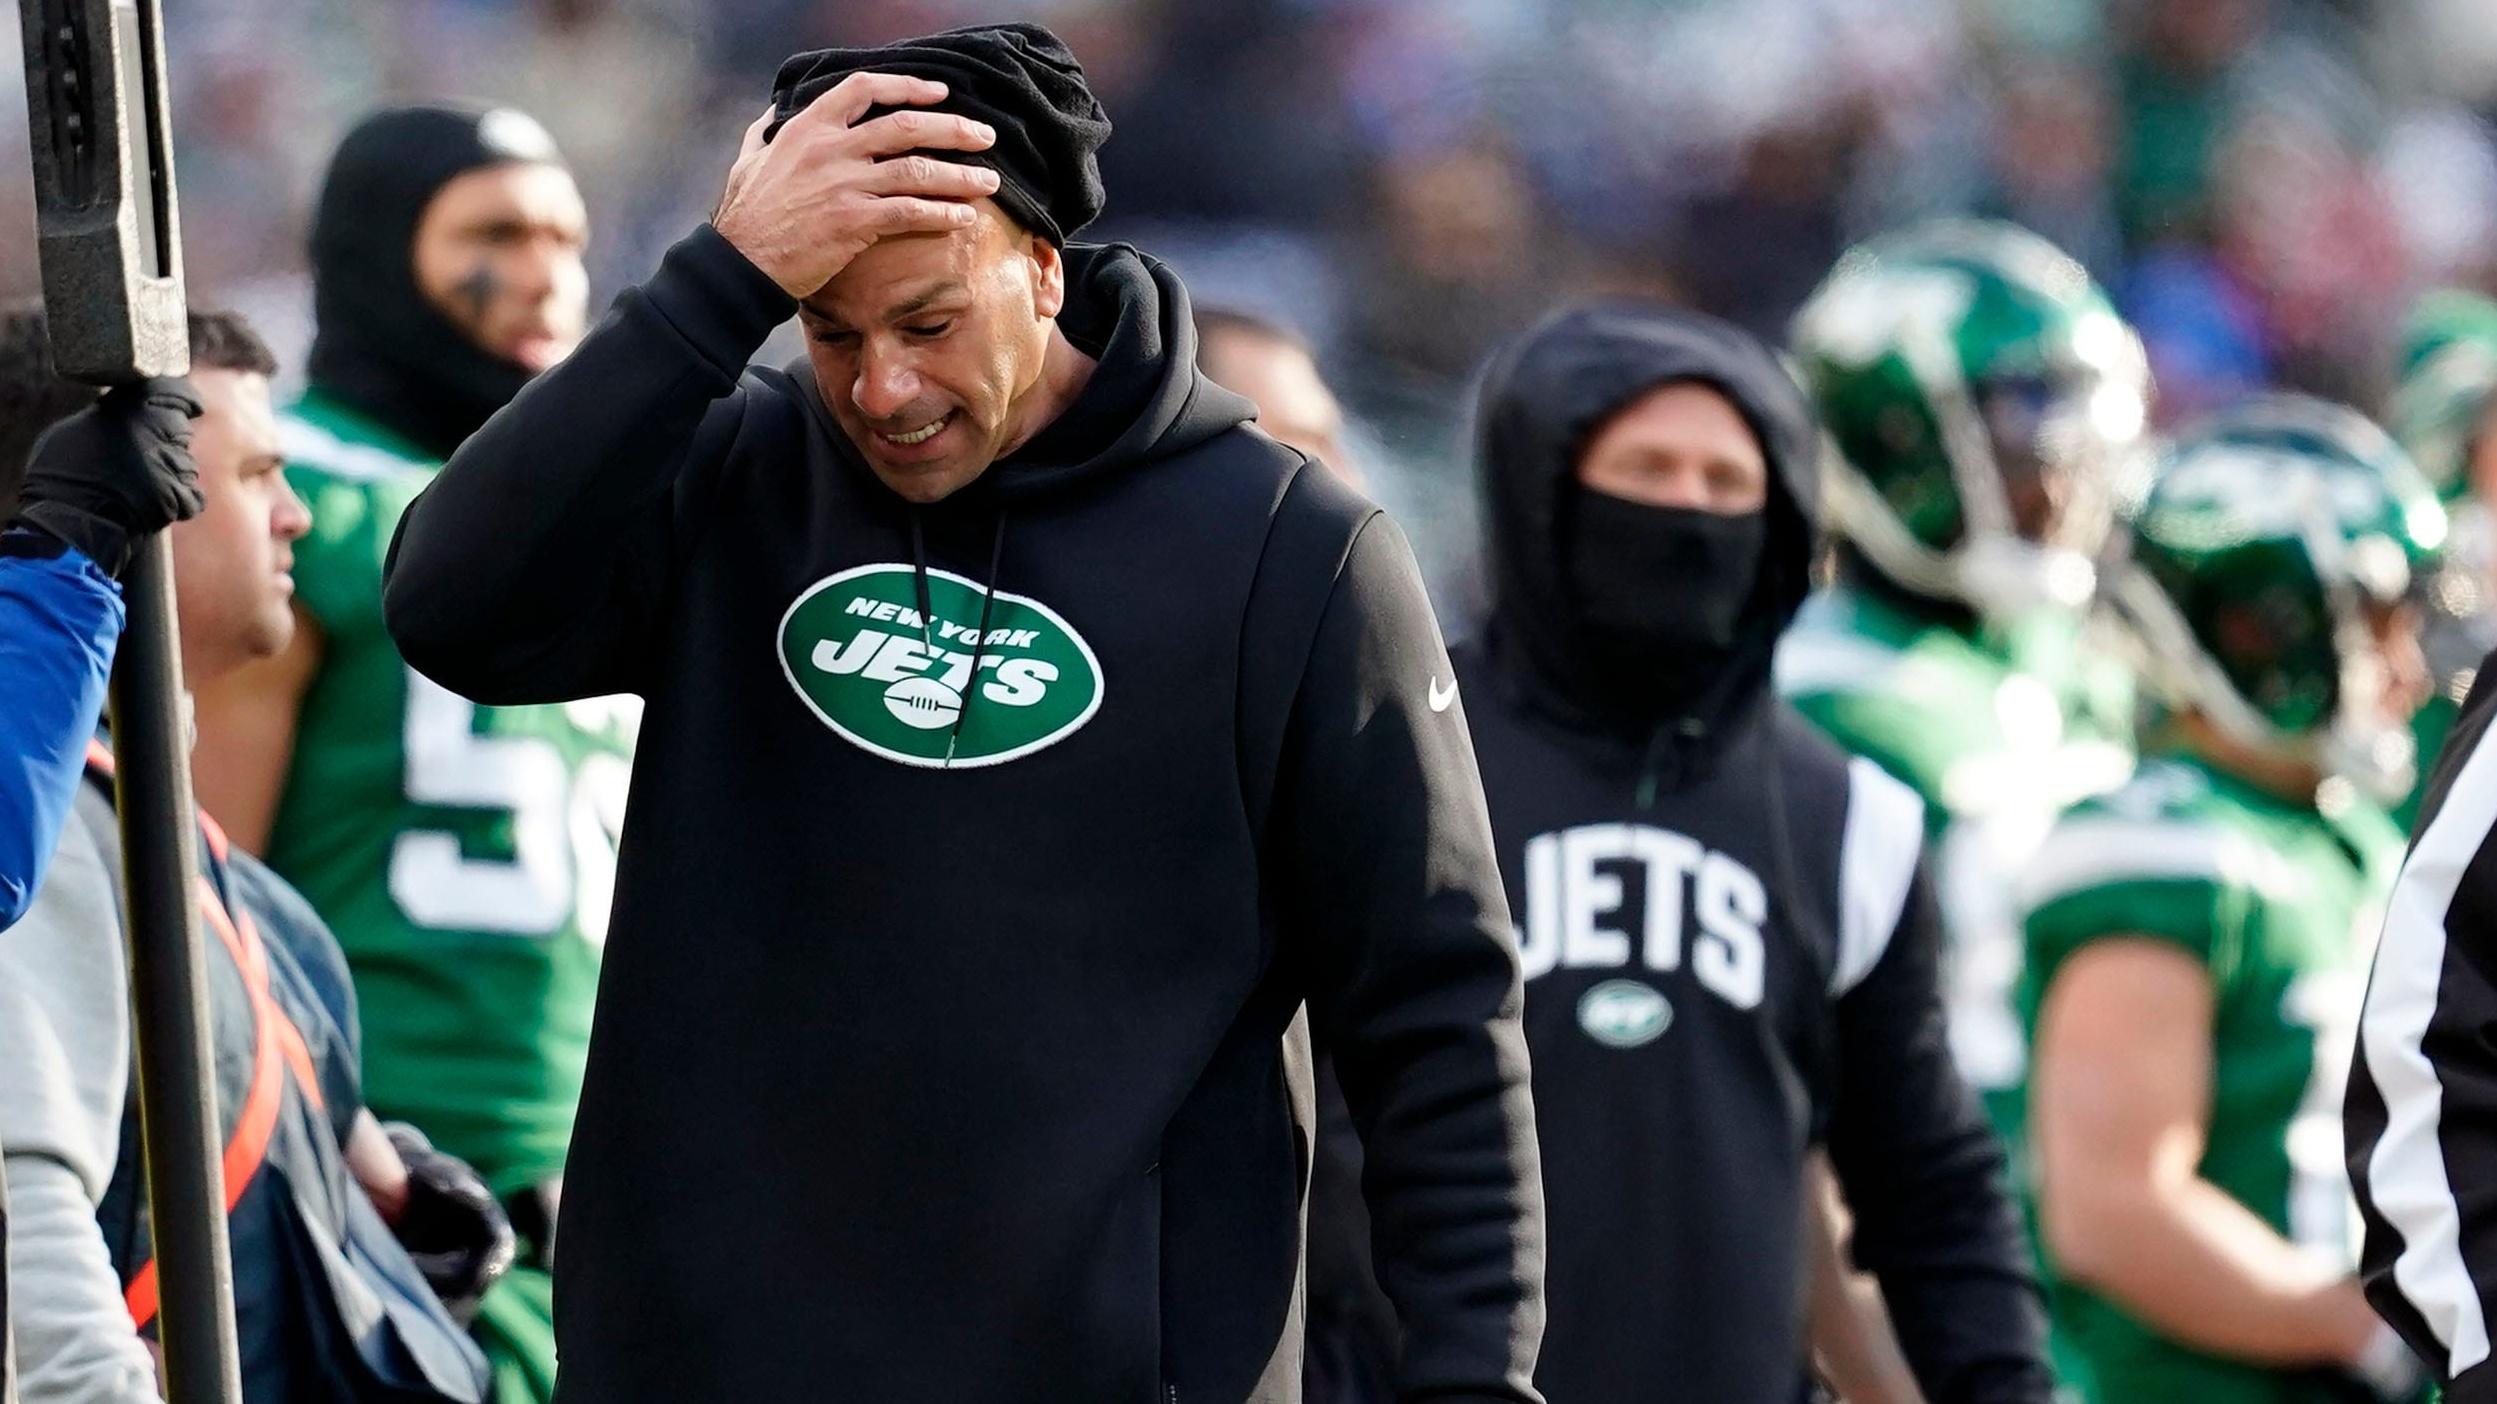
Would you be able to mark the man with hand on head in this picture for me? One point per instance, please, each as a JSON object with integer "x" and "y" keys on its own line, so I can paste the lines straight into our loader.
{"x": 1028, "y": 742}
{"x": 464, "y": 854}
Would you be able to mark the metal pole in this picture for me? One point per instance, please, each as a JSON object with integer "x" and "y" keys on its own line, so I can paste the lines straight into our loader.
{"x": 8, "y": 1343}
{"x": 169, "y": 994}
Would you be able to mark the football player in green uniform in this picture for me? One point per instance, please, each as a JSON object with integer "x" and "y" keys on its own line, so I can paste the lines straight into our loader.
{"x": 464, "y": 854}
{"x": 2197, "y": 938}
{"x": 2443, "y": 407}
{"x": 1980, "y": 397}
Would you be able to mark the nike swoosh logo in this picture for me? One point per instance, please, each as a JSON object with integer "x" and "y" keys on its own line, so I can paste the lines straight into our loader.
{"x": 1440, "y": 700}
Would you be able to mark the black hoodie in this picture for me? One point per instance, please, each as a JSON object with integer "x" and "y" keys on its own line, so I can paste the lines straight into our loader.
{"x": 939, "y": 1046}
{"x": 1729, "y": 949}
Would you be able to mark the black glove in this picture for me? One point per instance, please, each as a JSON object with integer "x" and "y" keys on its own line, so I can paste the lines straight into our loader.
{"x": 533, "y": 1214}
{"x": 452, "y": 1227}
{"x": 115, "y": 471}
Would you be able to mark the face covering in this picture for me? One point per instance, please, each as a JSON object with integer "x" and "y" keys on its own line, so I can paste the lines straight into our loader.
{"x": 380, "y": 345}
{"x": 1662, "y": 582}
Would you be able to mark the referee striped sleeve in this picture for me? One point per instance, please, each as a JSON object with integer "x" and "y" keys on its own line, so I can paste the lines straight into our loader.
{"x": 2421, "y": 1114}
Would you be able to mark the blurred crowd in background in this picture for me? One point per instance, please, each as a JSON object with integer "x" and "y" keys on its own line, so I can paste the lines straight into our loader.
{"x": 2265, "y": 184}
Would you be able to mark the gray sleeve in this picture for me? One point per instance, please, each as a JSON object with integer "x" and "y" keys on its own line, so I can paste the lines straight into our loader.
{"x": 64, "y": 1070}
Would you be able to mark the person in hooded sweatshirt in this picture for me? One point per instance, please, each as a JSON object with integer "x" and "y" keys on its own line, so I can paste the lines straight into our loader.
{"x": 1028, "y": 739}
{"x": 463, "y": 854}
{"x": 1728, "y": 938}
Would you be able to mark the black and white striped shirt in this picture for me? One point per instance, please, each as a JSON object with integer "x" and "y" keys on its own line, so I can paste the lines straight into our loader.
{"x": 2421, "y": 1115}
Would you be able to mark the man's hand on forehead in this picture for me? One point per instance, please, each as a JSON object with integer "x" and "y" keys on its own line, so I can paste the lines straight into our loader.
{"x": 801, "y": 206}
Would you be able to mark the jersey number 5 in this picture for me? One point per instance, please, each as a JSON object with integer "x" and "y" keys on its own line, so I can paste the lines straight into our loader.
{"x": 564, "y": 825}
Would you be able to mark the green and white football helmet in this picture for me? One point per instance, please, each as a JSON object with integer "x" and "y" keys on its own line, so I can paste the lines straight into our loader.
{"x": 2446, "y": 386}
{"x": 2442, "y": 410}
{"x": 2265, "y": 535}
{"x": 1982, "y": 402}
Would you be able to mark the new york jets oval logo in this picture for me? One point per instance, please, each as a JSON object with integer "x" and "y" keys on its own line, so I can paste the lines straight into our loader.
{"x": 857, "y": 651}
{"x": 1623, "y": 1013}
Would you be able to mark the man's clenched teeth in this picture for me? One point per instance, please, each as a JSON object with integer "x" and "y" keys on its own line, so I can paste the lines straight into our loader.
{"x": 919, "y": 435}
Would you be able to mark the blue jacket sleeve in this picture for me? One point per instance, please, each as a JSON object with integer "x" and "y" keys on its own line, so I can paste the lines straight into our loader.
{"x": 59, "y": 620}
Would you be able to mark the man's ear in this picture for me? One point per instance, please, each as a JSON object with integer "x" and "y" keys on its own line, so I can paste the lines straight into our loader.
{"x": 1048, "y": 276}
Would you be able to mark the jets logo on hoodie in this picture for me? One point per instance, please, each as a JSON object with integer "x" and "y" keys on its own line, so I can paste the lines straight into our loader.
{"x": 938, "y": 690}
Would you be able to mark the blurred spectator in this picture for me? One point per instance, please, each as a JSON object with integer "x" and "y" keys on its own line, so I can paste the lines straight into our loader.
{"x": 2050, "y": 159}
{"x": 2174, "y": 75}
{"x": 2202, "y": 332}
{"x": 1455, "y": 261}
{"x": 1414, "y": 179}
{"x": 1278, "y": 373}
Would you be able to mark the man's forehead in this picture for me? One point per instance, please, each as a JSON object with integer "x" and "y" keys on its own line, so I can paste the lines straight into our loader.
{"x": 526, "y": 190}
{"x": 239, "y": 400}
{"x": 884, "y": 300}
{"x": 1688, "y": 413}
{"x": 895, "y": 273}
{"x": 1244, "y": 354}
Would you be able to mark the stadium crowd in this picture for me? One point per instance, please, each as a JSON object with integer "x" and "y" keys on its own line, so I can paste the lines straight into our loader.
{"x": 1966, "y": 528}
{"x": 2263, "y": 184}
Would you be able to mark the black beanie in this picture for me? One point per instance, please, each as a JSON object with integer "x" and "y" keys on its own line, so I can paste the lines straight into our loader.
{"x": 1019, "y": 79}
{"x": 378, "y": 345}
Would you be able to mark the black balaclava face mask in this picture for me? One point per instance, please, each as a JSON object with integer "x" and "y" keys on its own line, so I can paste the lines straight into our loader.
{"x": 379, "y": 346}
{"x": 1661, "y": 594}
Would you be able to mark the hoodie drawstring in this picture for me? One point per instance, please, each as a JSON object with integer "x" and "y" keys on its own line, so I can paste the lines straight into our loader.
{"x": 919, "y": 577}
{"x": 988, "y": 609}
{"x": 979, "y": 639}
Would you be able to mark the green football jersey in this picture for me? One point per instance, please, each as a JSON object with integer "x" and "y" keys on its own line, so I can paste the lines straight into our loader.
{"x": 465, "y": 855}
{"x": 1997, "y": 735}
{"x": 2280, "y": 904}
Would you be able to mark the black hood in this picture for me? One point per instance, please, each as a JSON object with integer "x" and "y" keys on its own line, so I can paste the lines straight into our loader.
{"x": 1145, "y": 400}
{"x": 378, "y": 345}
{"x": 1540, "y": 403}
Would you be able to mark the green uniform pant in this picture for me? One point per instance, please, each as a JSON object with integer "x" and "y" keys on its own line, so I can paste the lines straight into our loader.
{"x": 516, "y": 1326}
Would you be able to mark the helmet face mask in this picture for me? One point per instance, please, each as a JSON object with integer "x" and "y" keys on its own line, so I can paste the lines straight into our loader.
{"x": 1983, "y": 401}
{"x": 2277, "y": 544}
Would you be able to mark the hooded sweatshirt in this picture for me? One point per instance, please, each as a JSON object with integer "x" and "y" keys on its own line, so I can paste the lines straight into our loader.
{"x": 977, "y": 858}
{"x": 1727, "y": 940}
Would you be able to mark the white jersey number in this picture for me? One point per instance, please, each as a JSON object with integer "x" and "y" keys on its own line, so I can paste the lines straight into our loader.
{"x": 2322, "y": 1213}
{"x": 564, "y": 826}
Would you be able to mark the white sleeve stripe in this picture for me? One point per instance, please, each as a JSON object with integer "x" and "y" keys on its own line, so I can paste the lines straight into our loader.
{"x": 2406, "y": 1170}
{"x": 2095, "y": 852}
{"x": 1807, "y": 664}
{"x": 315, "y": 447}
{"x": 1877, "y": 856}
